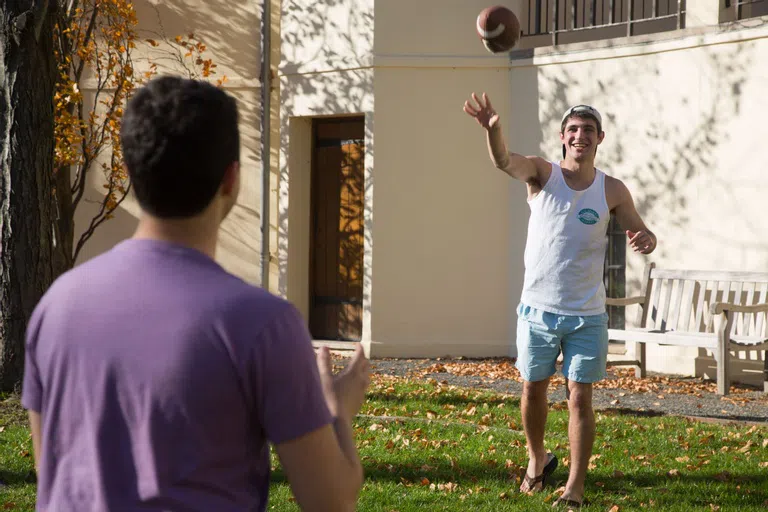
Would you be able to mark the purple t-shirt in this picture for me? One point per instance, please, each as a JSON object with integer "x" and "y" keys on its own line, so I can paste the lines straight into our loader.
{"x": 161, "y": 378}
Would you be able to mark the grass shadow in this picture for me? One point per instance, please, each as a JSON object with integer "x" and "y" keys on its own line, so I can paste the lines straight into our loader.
{"x": 446, "y": 399}
{"x": 14, "y": 478}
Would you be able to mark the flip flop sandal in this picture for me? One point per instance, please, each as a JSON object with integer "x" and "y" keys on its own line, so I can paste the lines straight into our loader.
{"x": 542, "y": 478}
{"x": 566, "y": 503}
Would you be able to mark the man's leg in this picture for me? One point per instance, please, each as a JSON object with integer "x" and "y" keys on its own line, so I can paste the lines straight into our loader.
{"x": 585, "y": 353}
{"x": 581, "y": 436}
{"x": 534, "y": 408}
{"x": 538, "y": 345}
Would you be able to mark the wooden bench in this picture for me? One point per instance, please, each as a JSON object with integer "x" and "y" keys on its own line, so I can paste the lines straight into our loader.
{"x": 719, "y": 311}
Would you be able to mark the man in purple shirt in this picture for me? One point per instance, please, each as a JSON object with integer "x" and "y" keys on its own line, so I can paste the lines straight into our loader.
{"x": 156, "y": 380}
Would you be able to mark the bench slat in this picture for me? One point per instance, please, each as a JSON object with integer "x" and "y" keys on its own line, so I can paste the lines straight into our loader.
{"x": 710, "y": 275}
{"x": 686, "y": 305}
{"x": 710, "y": 325}
{"x": 701, "y": 291}
{"x": 760, "y": 320}
{"x": 662, "y": 322}
{"x": 677, "y": 304}
{"x": 739, "y": 317}
{"x": 748, "y": 320}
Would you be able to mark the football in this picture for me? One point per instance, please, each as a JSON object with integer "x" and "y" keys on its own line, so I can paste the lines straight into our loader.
{"x": 498, "y": 28}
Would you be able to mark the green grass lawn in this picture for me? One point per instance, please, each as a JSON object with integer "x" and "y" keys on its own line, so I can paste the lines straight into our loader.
{"x": 426, "y": 446}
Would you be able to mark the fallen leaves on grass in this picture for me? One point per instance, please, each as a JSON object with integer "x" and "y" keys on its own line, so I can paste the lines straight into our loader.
{"x": 619, "y": 378}
{"x": 498, "y": 370}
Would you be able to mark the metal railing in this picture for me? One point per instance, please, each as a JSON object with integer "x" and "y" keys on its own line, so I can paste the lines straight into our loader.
{"x": 753, "y": 8}
{"x": 556, "y": 17}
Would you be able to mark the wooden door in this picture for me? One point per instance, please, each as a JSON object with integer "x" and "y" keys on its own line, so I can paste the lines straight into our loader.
{"x": 336, "y": 258}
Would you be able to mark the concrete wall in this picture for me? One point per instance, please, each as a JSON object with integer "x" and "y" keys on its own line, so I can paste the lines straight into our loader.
{"x": 683, "y": 122}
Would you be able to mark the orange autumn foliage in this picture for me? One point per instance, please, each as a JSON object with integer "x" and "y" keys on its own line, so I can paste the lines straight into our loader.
{"x": 96, "y": 42}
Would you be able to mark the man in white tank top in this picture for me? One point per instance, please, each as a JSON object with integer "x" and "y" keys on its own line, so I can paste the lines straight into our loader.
{"x": 562, "y": 306}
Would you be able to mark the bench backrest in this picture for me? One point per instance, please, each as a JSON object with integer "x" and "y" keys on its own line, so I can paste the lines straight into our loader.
{"x": 679, "y": 300}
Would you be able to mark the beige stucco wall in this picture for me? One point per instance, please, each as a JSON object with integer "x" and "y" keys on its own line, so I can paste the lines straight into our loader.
{"x": 231, "y": 33}
{"x": 448, "y": 225}
{"x": 683, "y": 121}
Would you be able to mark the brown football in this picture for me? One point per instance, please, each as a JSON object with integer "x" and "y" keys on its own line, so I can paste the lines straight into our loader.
{"x": 498, "y": 28}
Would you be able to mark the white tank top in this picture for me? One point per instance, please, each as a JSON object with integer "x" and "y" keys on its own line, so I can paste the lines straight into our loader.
{"x": 565, "y": 250}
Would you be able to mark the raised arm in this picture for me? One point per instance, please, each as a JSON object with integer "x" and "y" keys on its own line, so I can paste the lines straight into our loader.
{"x": 529, "y": 169}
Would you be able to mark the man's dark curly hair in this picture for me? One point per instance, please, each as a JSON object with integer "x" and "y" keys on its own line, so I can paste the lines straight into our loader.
{"x": 178, "y": 137}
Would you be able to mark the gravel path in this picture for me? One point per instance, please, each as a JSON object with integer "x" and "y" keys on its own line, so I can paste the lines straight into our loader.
{"x": 620, "y": 392}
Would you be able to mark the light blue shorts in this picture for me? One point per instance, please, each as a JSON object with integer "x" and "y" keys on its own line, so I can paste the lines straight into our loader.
{"x": 541, "y": 336}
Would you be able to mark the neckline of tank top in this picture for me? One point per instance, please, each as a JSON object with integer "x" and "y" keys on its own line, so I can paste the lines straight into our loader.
{"x": 565, "y": 182}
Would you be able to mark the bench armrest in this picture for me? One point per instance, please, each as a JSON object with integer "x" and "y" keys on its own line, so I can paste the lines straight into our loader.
{"x": 718, "y": 307}
{"x": 628, "y": 301}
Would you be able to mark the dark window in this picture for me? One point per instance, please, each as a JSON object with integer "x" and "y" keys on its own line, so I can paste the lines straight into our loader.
{"x": 603, "y": 19}
{"x": 744, "y": 9}
{"x": 615, "y": 271}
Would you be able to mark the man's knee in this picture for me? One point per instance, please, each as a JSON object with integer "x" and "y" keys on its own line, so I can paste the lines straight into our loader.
{"x": 579, "y": 397}
{"x": 535, "y": 390}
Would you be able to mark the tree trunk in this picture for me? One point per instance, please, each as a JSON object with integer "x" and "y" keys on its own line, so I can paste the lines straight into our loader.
{"x": 27, "y": 76}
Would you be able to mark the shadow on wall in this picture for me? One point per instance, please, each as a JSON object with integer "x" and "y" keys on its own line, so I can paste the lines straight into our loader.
{"x": 232, "y": 34}
{"x": 677, "y": 152}
{"x": 232, "y": 29}
{"x": 326, "y": 35}
{"x": 312, "y": 40}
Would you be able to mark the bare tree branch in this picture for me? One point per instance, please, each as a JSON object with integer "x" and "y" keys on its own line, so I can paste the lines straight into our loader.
{"x": 99, "y": 219}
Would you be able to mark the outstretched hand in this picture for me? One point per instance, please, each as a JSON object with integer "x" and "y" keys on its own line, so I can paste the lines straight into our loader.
{"x": 482, "y": 111}
{"x": 641, "y": 242}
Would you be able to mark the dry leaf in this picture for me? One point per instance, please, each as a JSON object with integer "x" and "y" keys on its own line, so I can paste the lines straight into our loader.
{"x": 683, "y": 459}
{"x": 614, "y": 508}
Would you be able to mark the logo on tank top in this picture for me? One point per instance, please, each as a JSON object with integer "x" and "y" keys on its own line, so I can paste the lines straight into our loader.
{"x": 588, "y": 216}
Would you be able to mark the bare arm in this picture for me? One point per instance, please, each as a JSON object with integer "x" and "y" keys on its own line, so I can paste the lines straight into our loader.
{"x": 641, "y": 239}
{"x": 323, "y": 468}
{"x": 35, "y": 425}
{"x": 528, "y": 169}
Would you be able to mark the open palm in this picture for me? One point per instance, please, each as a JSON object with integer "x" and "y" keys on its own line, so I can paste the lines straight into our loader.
{"x": 482, "y": 111}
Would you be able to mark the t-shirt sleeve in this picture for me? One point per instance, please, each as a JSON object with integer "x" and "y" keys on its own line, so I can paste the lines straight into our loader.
{"x": 32, "y": 388}
{"x": 291, "y": 401}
